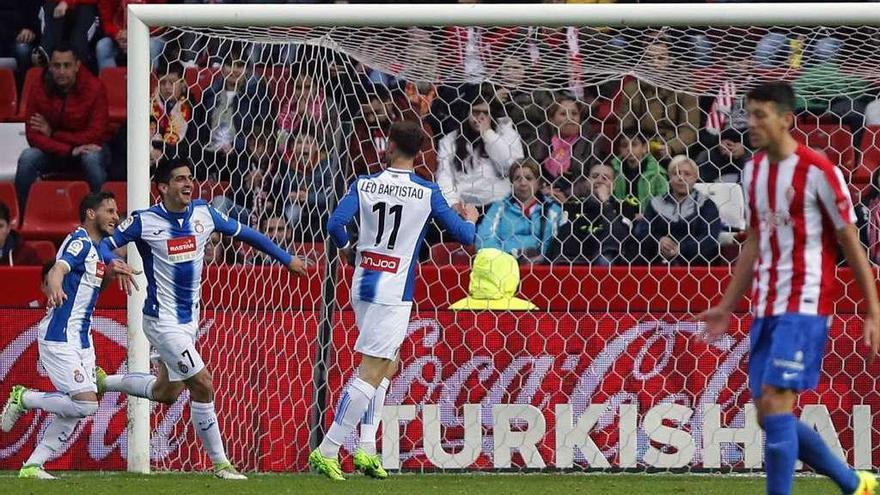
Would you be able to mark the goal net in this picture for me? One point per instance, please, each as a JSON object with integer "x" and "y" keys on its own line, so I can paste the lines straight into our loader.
{"x": 572, "y": 143}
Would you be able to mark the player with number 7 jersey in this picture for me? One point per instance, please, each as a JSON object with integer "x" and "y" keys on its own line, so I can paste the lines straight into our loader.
{"x": 393, "y": 208}
{"x": 171, "y": 238}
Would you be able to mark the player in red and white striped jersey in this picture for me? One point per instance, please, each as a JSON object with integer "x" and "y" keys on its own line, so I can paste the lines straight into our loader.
{"x": 798, "y": 211}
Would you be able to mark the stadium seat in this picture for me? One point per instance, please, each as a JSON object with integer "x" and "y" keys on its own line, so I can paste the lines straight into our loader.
{"x": 451, "y": 253}
{"x": 708, "y": 79}
{"x": 198, "y": 80}
{"x": 833, "y": 139}
{"x": 45, "y": 250}
{"x": 731, "y": 207}
{"x": 8, "y": 95}
{"x": 870, "y": 147}
{"x": 120, "y": 190}
{"x": 209, "y": 190}
{"x": 52, "y": 209}
{"x": 114, "y": 79}
{"x": 10, "y": 199}
{"x": 33, "y": 77}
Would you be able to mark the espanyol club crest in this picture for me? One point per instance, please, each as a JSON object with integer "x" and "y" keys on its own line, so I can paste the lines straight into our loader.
{"x": 198, "y": 227}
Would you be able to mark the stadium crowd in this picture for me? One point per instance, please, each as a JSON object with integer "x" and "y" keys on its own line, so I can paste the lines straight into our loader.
{"x": 602, "y": 174}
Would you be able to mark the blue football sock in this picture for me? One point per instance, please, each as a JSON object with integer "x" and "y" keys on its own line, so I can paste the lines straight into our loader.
{"x": 780, "y": 452}
{"x": 816, "y": 454}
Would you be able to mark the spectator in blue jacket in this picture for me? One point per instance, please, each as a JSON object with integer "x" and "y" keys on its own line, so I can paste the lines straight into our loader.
{"x": 682, "y": 227}
{"x": 524, "y": 222}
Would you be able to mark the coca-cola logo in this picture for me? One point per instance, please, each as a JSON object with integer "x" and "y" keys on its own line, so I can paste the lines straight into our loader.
{"x": 107, "y": 436}
{"x": 651, "y": 393}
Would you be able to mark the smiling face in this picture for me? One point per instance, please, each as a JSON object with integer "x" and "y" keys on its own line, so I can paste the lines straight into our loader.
{"x": 106, "y": 216}
{"x": 177, "y": 194}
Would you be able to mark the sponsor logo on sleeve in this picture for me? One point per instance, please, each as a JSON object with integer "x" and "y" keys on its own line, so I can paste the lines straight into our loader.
{"x": 75, "y": 247}
{"x": 126, "y": 224}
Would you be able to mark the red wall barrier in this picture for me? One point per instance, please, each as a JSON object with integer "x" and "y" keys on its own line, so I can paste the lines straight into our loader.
{"x": 637, "y": 373}
{"x": 557, "y": 288}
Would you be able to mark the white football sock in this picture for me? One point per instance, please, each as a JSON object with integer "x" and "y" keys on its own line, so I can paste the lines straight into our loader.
{"x": 59, "y": 403}
{"x": 351, "y": 408}
{"x": 135, "y": 384}
{"x": 204, "y": 420}
{"x": 371, "y": 419}
{"x": 54, "y": 437}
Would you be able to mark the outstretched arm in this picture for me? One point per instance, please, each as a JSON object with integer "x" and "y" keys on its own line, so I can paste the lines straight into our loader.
{"x": 230, "y": 227}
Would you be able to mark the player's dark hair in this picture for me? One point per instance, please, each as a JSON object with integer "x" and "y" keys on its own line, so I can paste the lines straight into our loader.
{"x": 408, "y": 137}
{"x": 779, "y": 92}
{"x": 92, "y": 201}
{"x": 64, "y": 47}
{"x": 165, "y": 167}
{"x": 4, "y": 212}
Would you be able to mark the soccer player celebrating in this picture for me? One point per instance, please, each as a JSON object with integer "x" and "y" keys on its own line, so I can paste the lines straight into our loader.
{"x": 67, "y": 350}
{"x": 796, "y": 204}
{"x": 393, "y": 208}
{"x": 170, "y": 238}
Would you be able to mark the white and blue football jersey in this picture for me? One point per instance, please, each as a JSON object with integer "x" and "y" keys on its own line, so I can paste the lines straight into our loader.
{"x": 71, "y": 322}
{"x": 393, "y": 208}
{"x": 172, "y": 246}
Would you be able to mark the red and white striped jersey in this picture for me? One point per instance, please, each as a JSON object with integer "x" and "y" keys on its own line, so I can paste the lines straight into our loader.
{"x": 795, "y": 206}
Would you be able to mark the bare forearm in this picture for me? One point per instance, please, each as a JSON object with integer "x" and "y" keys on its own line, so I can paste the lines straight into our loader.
{"x": 55, "y": 278}
{"x": 743, "y": 274}
{"x": 848, "y": 238}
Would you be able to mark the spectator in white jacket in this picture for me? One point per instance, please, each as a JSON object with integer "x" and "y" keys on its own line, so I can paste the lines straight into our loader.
{"x": 473, "y": 162}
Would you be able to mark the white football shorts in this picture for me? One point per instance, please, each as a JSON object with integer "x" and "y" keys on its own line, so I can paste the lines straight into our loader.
{"x": 176, "y": 345}
{"x": 70, "y": 367}
{"x": 381, "y": 328}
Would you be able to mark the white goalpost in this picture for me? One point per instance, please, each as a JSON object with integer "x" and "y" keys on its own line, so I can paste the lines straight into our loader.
{"x": 358, "y": 29}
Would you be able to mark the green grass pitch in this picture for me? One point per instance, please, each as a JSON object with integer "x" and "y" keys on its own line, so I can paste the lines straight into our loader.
{"x": 403, "y": 484}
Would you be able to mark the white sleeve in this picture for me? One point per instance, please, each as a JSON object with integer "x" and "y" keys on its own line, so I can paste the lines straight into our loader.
{"x": 445, "y": 170}
{"x": 503, "y": 146}
{"x": 833, "y": 193}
